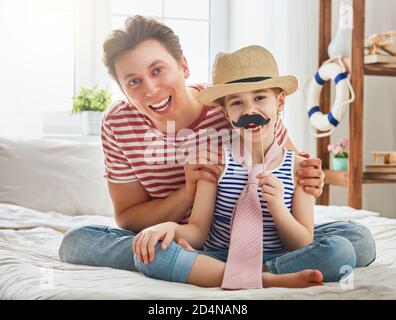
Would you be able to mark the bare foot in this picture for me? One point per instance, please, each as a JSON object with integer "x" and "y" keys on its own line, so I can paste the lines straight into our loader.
{"x": 301, "y": 279}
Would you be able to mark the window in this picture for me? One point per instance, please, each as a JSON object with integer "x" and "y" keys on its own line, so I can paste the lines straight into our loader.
{"x": 190, "y": 20}
{"x": 50, "y": 48}
{"x": 36, "y": 62}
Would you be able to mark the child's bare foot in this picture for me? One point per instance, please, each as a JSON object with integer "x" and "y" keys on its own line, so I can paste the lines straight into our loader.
{"x": 301, "y": 279}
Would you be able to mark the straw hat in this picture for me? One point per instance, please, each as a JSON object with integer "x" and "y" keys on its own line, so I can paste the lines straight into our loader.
{"x": 250, "y": 68}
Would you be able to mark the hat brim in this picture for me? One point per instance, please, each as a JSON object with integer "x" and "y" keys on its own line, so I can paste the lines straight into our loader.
{"x": 209, "y": 95}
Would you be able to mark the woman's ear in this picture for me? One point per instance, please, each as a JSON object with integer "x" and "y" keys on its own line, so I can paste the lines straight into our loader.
{"x": 185, "y": 68}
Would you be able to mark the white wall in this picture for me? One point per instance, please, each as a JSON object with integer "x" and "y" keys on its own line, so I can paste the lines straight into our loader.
{"x": 289, "y": 29}
{"x": 93, "y": 24}
{"x": 246, "y": 24}
{"x": 281, "y": 27}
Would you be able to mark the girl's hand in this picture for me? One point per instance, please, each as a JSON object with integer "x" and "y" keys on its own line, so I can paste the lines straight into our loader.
{"x": 144, "y": 242}
{"x": 184, "y": 244}
{"x": 196, "y": 172}
{"x": 202, "y": 164}
{"x": 272, "y": 190}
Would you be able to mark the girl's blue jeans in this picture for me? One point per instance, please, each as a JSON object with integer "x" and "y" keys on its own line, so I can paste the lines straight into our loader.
{"x": 338, "y": 248}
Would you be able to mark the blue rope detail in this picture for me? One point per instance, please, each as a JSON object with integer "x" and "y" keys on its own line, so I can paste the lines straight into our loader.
{"x": 332, "y": 120}
{"x": 313, "y": 110}
{"x": 340, "y": 77}
{"x": 318, "y": 79}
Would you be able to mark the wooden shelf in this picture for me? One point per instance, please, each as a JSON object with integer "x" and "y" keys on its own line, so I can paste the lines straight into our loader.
{"x": 356, "y": 111}
{"x": 337, "y": 178}
{"x": 374, "y": 177}
{"x": 340, "y": 178}
{"x": 375, "y": 70}
{"x": 355, "y": 177}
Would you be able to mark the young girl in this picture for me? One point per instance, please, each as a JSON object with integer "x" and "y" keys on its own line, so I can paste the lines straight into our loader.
{"x": 247, "y": 85}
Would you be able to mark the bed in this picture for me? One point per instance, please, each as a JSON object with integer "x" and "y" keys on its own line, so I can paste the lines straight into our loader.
{"x": 33, "y": 221}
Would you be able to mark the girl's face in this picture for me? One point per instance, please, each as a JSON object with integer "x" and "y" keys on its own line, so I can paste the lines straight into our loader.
{"x": 264, "y": 102}
{"x": 152, "y": 80}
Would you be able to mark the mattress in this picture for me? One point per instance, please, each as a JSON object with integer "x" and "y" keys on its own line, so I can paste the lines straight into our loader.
{"x": 30, "y": 267}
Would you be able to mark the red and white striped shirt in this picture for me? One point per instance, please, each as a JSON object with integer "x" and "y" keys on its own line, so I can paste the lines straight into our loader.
{"x": 135, "y": 150}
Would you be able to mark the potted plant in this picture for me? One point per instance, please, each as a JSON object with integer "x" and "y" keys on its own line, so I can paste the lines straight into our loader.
{"x": 340, "y": 154}
{"x": 90, "y": 103}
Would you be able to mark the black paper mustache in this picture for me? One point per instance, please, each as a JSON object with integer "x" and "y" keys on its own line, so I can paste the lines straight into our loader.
{"x": 247, "y": 119}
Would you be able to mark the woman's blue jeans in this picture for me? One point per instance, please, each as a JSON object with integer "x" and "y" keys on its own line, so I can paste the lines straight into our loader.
{"x": 338, "y": 248}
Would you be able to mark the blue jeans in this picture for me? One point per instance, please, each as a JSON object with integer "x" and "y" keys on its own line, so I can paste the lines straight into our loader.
{"x": 337, "y": 248}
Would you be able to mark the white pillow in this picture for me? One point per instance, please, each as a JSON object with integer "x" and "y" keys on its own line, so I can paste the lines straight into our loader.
{"x": 54, "y": 175}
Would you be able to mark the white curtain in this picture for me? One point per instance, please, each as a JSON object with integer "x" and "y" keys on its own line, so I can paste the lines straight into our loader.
{"x": 49, "y": 49}
{"x": 289, "y": 30}
{"x": 36, "y": 62}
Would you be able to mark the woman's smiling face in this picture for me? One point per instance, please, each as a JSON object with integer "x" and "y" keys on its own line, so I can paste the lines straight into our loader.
{"x": 152, "y": 80}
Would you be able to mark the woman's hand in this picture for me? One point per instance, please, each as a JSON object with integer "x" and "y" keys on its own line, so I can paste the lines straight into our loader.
{"x": 144, "y": 242}
{"x": 310, "y": 175}
{"x": 202, "y": 164}
{"x": 272, "y": 190}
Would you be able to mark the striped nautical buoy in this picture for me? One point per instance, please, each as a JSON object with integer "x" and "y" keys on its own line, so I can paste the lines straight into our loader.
{"x": 328, "y": 122}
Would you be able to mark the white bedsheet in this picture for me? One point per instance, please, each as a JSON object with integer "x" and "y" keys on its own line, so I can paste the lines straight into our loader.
{"x": 30, "y": 267}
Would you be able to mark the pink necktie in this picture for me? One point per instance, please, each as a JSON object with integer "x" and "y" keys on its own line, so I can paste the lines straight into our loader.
{"x": 243, "y": 269}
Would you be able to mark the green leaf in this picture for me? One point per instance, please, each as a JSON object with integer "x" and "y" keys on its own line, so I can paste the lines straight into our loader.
{"x": 91, "y": 99}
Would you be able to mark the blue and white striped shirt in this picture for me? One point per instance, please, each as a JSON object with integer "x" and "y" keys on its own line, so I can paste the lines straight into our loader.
{"x": 229, "y": 189}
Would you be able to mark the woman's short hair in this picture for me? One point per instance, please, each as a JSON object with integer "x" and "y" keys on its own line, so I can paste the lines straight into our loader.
{"x": 136, "y": 30}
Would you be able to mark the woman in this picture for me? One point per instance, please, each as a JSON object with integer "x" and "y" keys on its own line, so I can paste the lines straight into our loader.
{"x": 146, "y": 141}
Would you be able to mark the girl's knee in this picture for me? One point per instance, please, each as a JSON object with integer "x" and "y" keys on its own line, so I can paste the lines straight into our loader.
{"x": 172, "y": 264}
{"x": 339, "y": 256}
{"x": 361, "y": 239}
{"x": 364, "y": 245}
